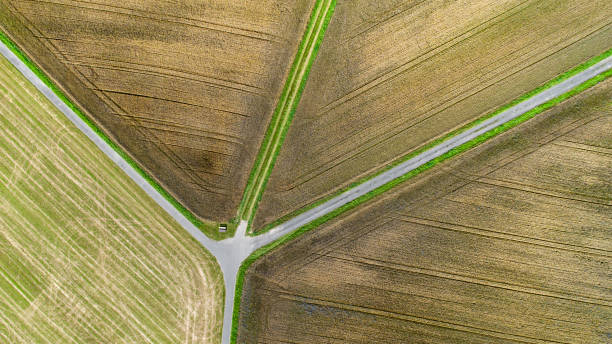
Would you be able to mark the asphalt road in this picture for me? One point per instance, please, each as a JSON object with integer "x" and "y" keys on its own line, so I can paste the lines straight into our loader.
{"x": 230, "y": 253}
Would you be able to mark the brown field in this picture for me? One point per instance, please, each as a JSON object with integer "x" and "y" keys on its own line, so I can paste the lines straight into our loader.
{"x": 392, "y": 76}
{"x": 186, "y": 87}
{"x": 86, "y": 256}
{"x": 507, "y": 243}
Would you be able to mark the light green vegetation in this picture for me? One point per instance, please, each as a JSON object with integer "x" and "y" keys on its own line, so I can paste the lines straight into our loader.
{"x": 448, "y": 136}
{"x": 209, "y": 228}
{"x": 85, "y": 255}
{"x": 466, "y": 146}
{"x": 285, "y": 108}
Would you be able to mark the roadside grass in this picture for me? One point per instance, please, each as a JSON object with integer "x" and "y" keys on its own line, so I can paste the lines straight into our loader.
{"x": 457, "y": 150}
{"x": 284, "y": 112}
{"x": 436, "y": 142}
{"x": 208, "y": 228}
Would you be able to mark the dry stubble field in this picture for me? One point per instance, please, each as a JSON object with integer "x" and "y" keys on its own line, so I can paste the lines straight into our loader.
{"x": 510, "y": 242}
{"x": 85, "y": 255}
{"x": 186, "y": 87}
{"x": 392, "y": 76}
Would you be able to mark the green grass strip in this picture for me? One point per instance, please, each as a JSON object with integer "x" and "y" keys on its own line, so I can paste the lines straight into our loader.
{"x": 436, "y": 142}
{"x": 210, "y": 229}
{"x": 284, "y": 112}
{"x": 462, "y": 148}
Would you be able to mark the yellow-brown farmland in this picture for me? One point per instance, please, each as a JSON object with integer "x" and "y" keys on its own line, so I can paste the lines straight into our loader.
{"x": 510, "y": 242}
{"x": 392, "y": 76}
{"x": 185, "y": 87}
{"x": 86, "y": 256}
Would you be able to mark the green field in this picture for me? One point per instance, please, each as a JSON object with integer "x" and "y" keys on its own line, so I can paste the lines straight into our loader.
{"x": 85, "y": 255}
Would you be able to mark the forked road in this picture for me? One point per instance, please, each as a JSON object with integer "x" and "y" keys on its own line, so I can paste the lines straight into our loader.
{"x": 230, "y": 253}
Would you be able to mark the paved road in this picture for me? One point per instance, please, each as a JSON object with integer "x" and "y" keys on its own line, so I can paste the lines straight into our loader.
{"x": 230, "y": 253}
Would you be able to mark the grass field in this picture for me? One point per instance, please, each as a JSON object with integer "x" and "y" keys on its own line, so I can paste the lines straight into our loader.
{"x": 404, "y": 74}
{"x": 509, "y": 242}
{"x": 85, "y": 255}
{"x": 187, "y": 89}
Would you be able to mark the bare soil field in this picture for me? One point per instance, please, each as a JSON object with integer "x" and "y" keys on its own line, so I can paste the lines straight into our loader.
{"x": 392, "y": 76}
{"x": 507, "y": 243}
{"x": 186, "y": 87}
{"x": 86, "y": 256}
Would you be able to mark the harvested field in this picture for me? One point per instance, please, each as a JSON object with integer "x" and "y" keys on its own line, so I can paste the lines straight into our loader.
{"x": 85, "y": 255}
{"x": 392, "y": 76}
{"x": 187, "y": 87}
{"x": 507, "y": 243}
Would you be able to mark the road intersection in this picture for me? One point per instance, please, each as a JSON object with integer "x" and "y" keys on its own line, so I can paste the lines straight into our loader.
{"x": 231, "y": 253}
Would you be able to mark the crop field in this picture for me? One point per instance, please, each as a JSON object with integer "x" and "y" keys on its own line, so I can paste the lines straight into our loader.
{"x": 509, "y": 242}
{"x": 186, "y": 88}
{"x": 85, "y": 255}
{"x": 392, "y": 76}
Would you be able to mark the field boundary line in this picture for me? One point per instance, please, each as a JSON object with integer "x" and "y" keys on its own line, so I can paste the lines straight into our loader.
{"x": 438, "y": 141}
{"x": 272, "y": 240}
{"x": 285, "y": 108}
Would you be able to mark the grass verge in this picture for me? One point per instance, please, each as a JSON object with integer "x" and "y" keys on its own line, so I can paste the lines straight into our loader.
{"x": 462, "y": 148}
{"x": 283, "y": 114}
{"x": 208, "y": 228}
{"x": 436, "y": 142}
